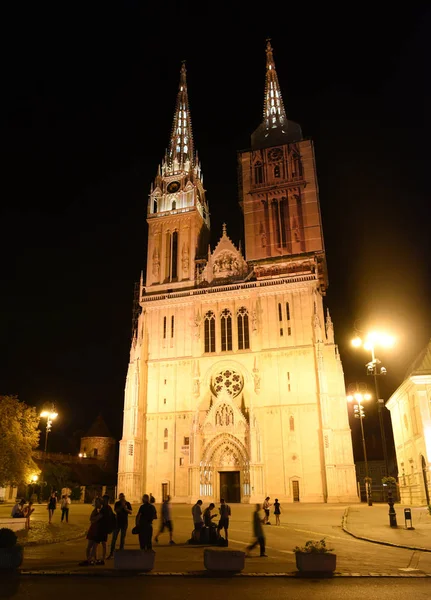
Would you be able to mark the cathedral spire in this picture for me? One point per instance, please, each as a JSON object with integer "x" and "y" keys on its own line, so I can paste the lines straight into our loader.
{"x": 181, "y": 151}
{"x": 274, "y": 114}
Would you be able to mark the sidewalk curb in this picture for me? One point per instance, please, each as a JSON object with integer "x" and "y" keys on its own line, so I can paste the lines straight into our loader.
{"x": 367, "y": 539}
{"x": 208, "y": 575}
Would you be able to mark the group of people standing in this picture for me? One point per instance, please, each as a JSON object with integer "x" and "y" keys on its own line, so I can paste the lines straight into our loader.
{"x": 105, "y": 521}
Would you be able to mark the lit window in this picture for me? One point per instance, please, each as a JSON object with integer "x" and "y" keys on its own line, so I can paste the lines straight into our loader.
{"x": 243, "y": 333}
{"x": 226, "y": 330}
{"x": 209, "y": 327}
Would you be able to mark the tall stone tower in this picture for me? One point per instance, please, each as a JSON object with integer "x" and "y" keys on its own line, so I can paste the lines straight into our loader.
{"x": 235, "y": 387}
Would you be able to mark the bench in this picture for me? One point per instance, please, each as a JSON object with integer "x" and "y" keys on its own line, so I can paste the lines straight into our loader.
{"x": 224, "y": 560}
{"x": 14, "y": 524}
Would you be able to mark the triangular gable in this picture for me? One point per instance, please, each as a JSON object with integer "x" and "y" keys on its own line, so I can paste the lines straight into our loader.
{"x": 225, "y": 261}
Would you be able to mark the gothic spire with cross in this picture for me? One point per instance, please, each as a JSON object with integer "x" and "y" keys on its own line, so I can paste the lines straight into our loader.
{"x": 181, "y": 151}
{"x": 274, "y": 114}
{"x": 275, "y": 128}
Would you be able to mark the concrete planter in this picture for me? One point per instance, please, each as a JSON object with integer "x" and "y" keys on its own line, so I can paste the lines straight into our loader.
{"x": 316, "y": 562}
{"x": 231, "y": 561}
{"x": 134, "y": 560}
{"x": 11, "y": 558}
{"x": 14, "y": 524}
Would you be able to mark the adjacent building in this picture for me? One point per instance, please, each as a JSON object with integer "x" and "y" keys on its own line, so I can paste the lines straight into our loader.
{"x": 235, "y": 386}
{"x": 410, "y": 412}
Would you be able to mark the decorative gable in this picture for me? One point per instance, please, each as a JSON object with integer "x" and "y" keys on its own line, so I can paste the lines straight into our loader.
{"x": 226, "y": 261}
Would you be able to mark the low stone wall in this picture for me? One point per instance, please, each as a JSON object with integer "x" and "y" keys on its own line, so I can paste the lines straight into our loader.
{"x": 14, "y": 524}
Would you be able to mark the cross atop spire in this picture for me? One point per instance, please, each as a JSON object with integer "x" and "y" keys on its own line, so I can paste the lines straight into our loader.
{"x": 274, "y": 114}
{"x": 181, "y": 151}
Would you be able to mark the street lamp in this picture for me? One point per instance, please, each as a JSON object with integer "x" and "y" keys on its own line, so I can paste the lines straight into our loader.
{"x": 372, "y": 340}
{"x": 354, "y": 394}
{"x": 49, "y": 415}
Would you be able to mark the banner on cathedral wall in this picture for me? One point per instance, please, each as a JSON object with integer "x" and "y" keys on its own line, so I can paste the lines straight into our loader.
{"x": 185, "y": 449}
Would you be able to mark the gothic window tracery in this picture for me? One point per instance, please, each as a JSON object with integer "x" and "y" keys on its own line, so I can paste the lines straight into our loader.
{"x": 209, "y": 331}
{"x": 228, "y": 379}
{"x": 243, "y": 329}
{"x": 224, "y": 415}
{"x": 226, "y": 330}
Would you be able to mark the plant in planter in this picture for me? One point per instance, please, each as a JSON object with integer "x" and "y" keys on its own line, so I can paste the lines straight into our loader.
{"x": 315, "y": 557}
{"x": 11, "y": 553}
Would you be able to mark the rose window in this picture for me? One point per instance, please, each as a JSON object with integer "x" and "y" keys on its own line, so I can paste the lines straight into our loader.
{"x": 229, "y": 380}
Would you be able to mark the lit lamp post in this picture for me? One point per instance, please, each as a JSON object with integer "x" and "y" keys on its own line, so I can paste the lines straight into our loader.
{"x": 49, "y": 415}
{"x": 371, "y": 341}
{"x": 355, "y": 394}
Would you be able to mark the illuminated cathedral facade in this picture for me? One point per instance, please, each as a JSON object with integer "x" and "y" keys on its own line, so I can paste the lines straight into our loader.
{"x": 235, "y": 386}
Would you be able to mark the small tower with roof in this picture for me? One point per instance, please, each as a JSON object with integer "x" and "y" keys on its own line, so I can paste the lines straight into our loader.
{"x": 98, "y": 442}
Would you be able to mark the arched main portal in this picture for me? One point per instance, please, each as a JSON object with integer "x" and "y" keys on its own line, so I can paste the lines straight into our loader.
{"x": 224, "y": 469}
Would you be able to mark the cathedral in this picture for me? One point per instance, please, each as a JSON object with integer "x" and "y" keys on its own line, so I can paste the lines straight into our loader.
{"x": 235, "y": 387}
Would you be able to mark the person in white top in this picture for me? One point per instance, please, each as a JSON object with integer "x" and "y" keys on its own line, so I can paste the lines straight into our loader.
{"x": 64, "y": 505}
{"x": 265, "y": 507}
{"x": 198, "y": 521}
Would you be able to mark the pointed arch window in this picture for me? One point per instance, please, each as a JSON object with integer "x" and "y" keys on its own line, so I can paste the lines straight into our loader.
{"x": 292, "y": 424}
{"x": 174, "y": 205}
{"x": 280, "y": 319}
{"x": 154, "y": 205}
{"x": 209, "y": 331}
{"x": 226, "y": 330}
{"x": 243, "y": 330}
{"x": 168, "y": 256}
{"x": 164, "y": 327}
{"x": 258, "y": 173}
{"x": 174, "y": 270}
{"x": 165, "y": 433}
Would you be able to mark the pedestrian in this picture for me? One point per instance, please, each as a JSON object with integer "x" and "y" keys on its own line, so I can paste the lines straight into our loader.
{"x": 144, "y": 522}
{"x": 65, "y": 502}
{"x": 122, "y": 509}
{"x": 92, "y": 535}
{"x": 277, "y": 511}
{"x": 18, "y": 510}
{"x": 51, "y": 506}
{"x": 198, "y": 521}
{"x": 106, "y": 525}
{"x": 166, "y": 520}
{"x": 258, "y": 532}
{"x": 224, "y": 511}
{"x": 27, "y": 512}
{"x": 265, "y": 507}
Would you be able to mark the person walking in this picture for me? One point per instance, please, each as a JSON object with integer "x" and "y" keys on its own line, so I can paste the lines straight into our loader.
{"x": 225, "y": 513}
{"x": 144, "y": 522}
{"x": 105, "y": 526}
{"x": 65, "y": 502}
{"x": 92, "y": 535}
{"x": 198, "y": 521}
{"x": 265, "y": 507}
{"x": 51, "y": 506}
{"x": 122, "y": 509}
{"x": 277, "y": 511}
{"x": 166, "y": 520}
{"x": 258, "y": 532}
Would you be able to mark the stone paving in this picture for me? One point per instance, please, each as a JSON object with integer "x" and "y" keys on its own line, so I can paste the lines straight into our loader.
{"x": 349, "y": 529}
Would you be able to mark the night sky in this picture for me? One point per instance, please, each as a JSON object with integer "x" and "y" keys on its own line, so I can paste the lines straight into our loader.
{"x": 90, "y": 97}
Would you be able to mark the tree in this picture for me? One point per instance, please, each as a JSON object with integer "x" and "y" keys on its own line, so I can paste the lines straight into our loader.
{"x": 19, "y": 435}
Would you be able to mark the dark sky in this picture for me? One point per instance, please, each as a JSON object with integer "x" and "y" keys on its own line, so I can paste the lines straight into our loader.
{"x": 90, "y": 96}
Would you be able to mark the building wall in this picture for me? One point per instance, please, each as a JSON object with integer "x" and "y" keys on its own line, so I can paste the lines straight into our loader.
{"x": 411, "y": 423}
{"x": 293, "y": 399}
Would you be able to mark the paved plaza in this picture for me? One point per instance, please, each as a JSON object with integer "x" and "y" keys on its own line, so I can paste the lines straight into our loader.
{"x": 299, "y": 523}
